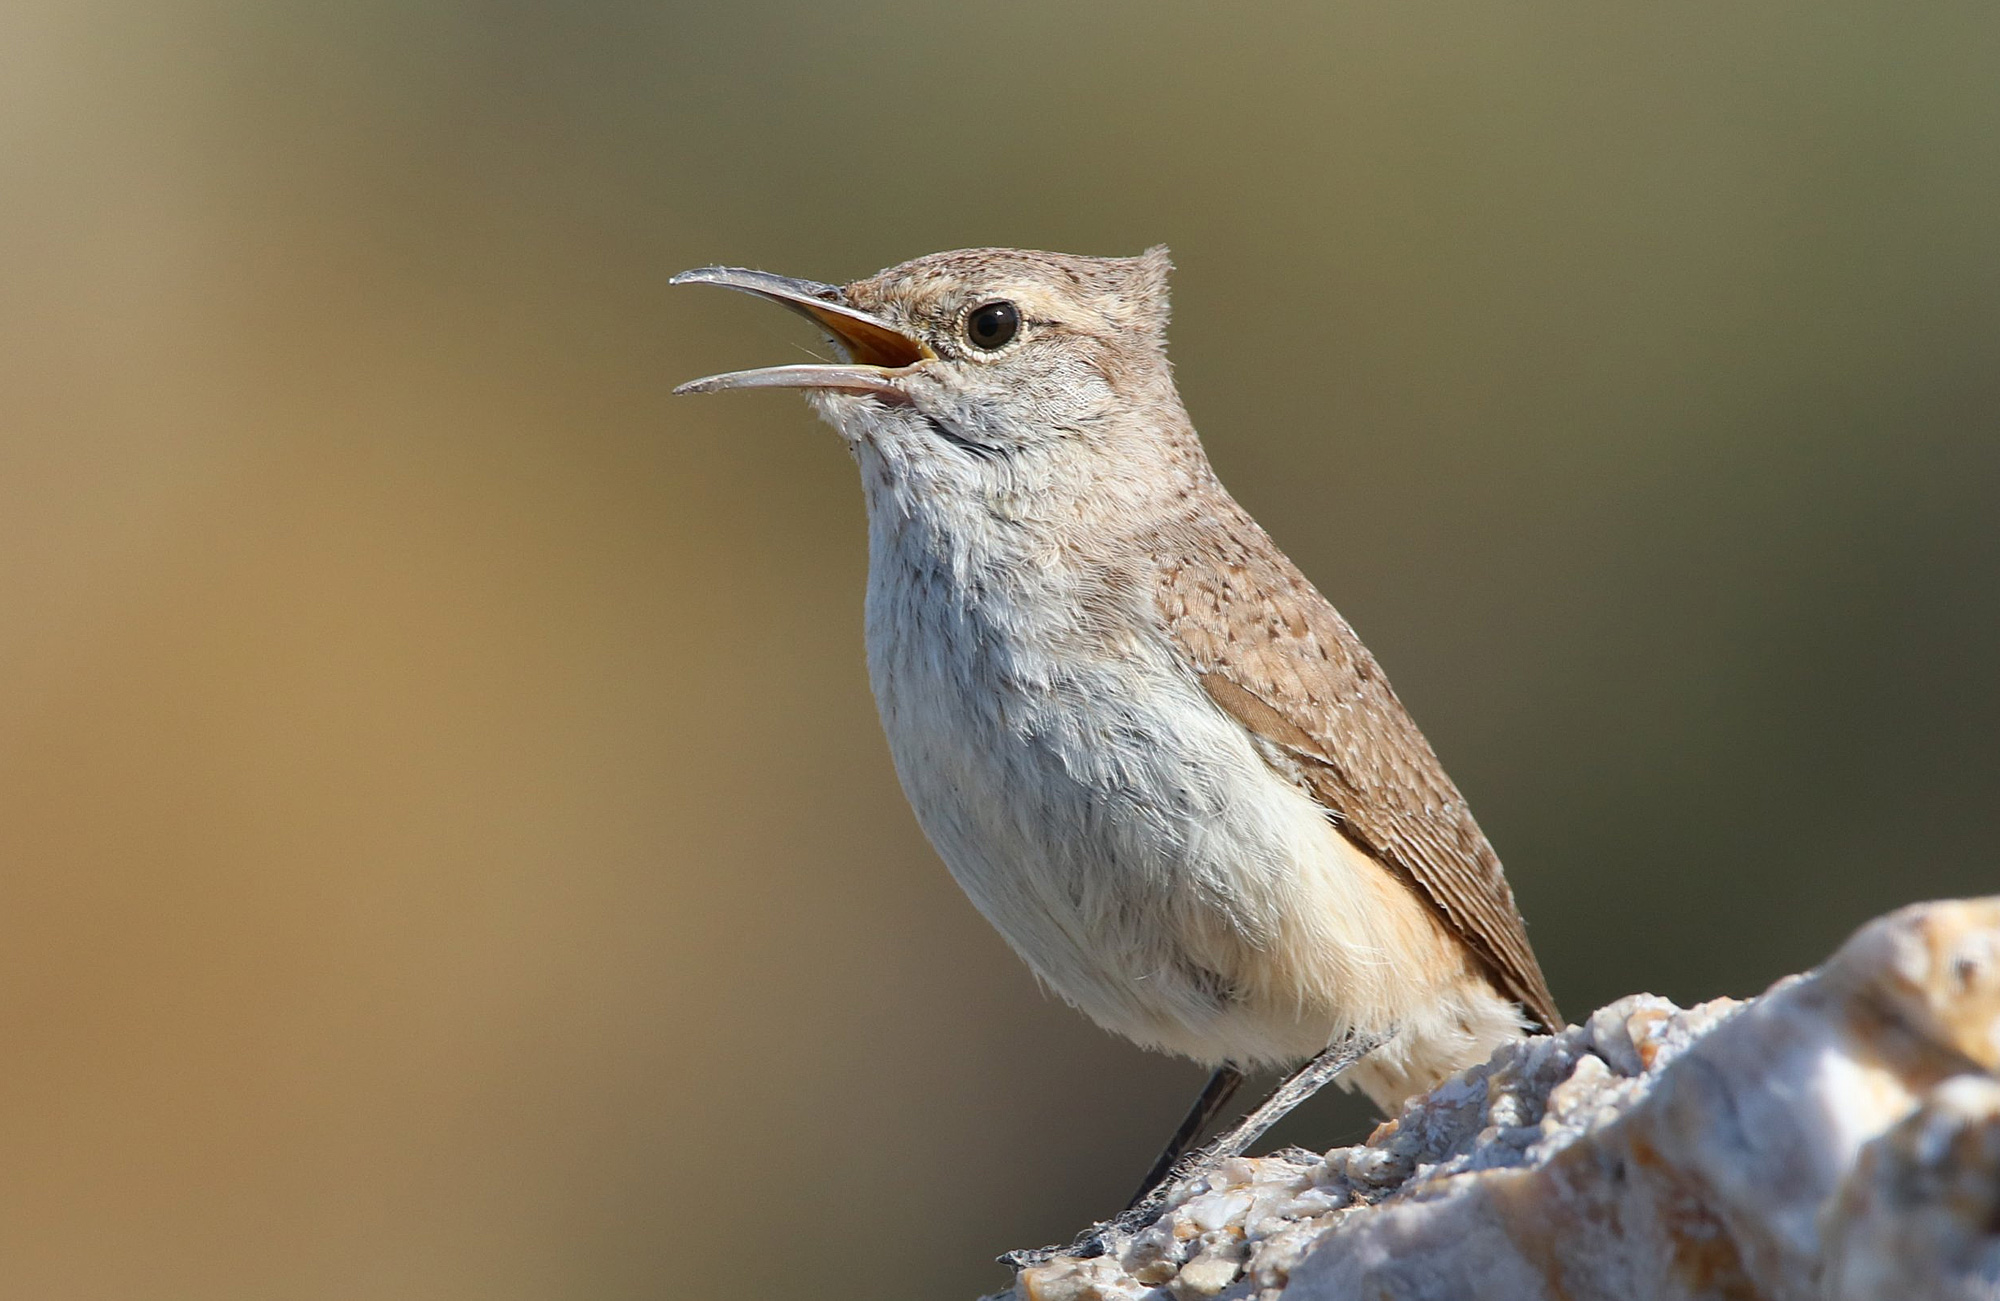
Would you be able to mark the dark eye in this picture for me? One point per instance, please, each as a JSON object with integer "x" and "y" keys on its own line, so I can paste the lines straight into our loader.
{"x": 991, "y": 326}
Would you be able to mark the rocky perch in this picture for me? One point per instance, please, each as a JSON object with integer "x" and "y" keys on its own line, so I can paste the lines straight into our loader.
{"x": 1836, "y": 1138}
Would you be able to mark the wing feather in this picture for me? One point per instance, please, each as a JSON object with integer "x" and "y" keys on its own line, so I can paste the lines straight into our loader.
{"x": 1277, "y": 657}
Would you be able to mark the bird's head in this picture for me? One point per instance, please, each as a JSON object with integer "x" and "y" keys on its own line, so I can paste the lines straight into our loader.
{"x": 987, "y": 370}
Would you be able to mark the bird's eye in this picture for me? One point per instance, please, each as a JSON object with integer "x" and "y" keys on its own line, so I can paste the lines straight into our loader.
{"x": 991, "y": 326}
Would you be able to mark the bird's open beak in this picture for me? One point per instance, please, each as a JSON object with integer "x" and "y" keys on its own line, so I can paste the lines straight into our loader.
{"x": 879, "y": 353}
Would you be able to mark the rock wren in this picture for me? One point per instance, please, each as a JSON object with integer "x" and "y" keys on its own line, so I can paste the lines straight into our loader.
{"x": 1155, "y": 757}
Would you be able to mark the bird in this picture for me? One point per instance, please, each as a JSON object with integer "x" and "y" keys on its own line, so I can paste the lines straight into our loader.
{"x": 1149, "y": 750}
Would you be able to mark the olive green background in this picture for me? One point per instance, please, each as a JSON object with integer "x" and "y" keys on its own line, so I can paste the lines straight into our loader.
{"x": 446, "y": 847}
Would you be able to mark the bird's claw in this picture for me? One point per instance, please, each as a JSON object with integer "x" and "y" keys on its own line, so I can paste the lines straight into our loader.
{"x": 1112, "y": 1234}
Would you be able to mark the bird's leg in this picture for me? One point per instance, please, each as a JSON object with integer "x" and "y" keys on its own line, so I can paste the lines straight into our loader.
{"x": 1234, "y": 1141}
{"x": 1296, "y": 1088}
{"x": 1215, "y": 1095}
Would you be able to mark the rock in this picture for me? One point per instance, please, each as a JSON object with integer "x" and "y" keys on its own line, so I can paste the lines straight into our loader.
{"x": 1920, "y": 1214}
{"x": 1836, "y": 1138}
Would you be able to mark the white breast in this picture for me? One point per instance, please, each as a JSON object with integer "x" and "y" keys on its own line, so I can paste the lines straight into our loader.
{"x": 1123, "y": 833}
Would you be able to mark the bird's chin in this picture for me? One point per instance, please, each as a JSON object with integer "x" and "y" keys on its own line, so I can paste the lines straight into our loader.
{"x": 856, "y": 417}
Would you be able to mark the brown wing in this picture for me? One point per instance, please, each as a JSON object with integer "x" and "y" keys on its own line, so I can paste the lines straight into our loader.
{"x": 1277, "y": 657}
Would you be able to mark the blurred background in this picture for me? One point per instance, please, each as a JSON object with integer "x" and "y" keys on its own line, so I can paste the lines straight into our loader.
{"x": 446, "y": 846}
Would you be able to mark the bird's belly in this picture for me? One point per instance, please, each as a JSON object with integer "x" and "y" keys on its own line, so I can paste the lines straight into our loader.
{"x": 1131, "y": 843}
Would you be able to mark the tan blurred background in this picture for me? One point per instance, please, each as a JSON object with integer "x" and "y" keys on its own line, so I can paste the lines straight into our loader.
{"x": 446, "y": 847}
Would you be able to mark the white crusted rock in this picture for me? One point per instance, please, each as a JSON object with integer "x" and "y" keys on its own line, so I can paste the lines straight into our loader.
{"x": 1920, "y": 1214}
{"x": 1837, "y": 1137}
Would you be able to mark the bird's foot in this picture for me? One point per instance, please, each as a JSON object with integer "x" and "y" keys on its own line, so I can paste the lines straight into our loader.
{"x": 1110, "y": 1236}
